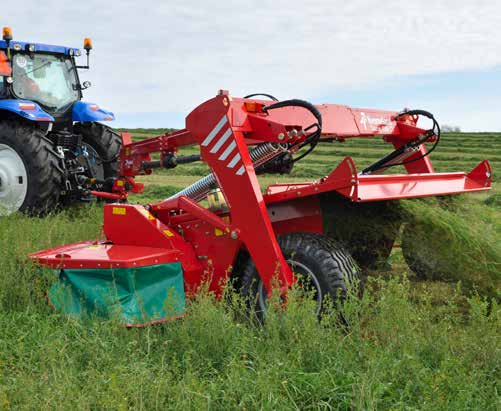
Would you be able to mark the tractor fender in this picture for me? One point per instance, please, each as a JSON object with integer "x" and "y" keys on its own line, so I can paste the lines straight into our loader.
{"x": 83, "y": 112}
{"x": 26, "y": 109}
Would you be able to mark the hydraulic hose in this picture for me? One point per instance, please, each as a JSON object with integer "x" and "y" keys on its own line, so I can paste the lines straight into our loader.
{"x": 434, "y": 131}
{"x": 314, "y": 138}
{"x": 262, "y": 94}
{"x": 403, "y": 151}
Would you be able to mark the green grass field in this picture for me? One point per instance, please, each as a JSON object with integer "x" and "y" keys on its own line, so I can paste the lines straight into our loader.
{"x": 409, "y": 344}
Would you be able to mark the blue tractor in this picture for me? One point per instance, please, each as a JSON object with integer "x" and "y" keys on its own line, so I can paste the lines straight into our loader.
{"x": 53, "y": 146}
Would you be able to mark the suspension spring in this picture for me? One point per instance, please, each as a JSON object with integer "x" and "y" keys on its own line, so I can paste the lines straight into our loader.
{"x": 259, "y": 156}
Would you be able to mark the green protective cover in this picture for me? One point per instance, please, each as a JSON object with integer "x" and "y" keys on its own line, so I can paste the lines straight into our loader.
{"x": 133, "y": 296}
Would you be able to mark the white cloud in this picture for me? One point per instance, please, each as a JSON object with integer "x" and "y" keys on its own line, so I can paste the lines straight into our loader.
{"x": 160, "y": 56}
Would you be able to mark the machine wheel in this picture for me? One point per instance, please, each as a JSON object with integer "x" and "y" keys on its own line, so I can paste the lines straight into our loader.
{"x": 31, "y": 177}
{"x": 325, "y": 268}
{"x": 103, "y": 147}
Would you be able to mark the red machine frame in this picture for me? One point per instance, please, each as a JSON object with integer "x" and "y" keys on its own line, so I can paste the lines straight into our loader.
{"x": 207, "y": 242}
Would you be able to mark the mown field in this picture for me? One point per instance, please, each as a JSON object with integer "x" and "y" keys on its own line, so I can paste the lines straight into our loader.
{"x": 409, "y": 344}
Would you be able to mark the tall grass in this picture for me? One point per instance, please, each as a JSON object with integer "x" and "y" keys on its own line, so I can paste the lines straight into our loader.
{"x": 460, "y": 238}
{"x": 401, "y": 350}
{"x": 396, "y": 354}
{"x": 408, "y": 345}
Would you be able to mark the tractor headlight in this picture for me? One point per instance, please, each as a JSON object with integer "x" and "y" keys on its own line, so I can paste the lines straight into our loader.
{"x": 31, "y": 48}
{"x": 17, "y": 47}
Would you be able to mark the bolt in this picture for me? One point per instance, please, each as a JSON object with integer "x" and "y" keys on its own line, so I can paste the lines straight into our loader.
{"x": 488, "y": 175}
{"x": 234, "y": 235}
{"x": 281, "y": 136}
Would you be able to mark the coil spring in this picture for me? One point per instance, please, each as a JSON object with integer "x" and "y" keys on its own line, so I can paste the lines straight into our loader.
{"x": 259, "y": 155}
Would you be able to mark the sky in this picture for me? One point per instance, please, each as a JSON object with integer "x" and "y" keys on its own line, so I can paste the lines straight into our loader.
{"x": 155, "y": 61}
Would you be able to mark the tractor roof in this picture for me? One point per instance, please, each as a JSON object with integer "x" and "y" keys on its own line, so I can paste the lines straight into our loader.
{"x": 47, "y": 48}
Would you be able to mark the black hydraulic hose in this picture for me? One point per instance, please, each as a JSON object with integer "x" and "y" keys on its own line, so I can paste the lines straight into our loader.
{"x": 262, "y": 94}
{"x": 435, "y": 130}
{"x": 314, "y": 138}
{"x": 296, "y": 103}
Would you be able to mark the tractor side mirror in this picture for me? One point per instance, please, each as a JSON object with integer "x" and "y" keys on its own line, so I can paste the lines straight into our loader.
{"x": 86, "y": 84}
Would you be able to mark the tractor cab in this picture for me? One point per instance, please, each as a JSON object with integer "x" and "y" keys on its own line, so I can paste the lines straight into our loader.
{"x": 51, "y": 80}
{"x": 46, "y": 75}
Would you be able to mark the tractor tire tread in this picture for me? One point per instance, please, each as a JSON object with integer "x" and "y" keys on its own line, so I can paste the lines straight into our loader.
{"x": 106, "y": 141}
{"x": 42, "y": 163}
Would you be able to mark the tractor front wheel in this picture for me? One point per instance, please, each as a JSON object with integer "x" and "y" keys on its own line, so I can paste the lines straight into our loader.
{"x": 31, "y": 176}
{"x": 102, "y": 147}
{"x": 323, "y": 268}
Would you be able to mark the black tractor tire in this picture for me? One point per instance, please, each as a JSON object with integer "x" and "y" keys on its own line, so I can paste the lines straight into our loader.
{"x": 368, "y": 231}
{"x": 326, "y": 265}
{"x": 105, "y": 141}
{"x": 43, "y": 166}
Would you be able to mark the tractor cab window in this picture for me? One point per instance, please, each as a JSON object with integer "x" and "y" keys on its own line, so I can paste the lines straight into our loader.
{"x": 47, "y": 79}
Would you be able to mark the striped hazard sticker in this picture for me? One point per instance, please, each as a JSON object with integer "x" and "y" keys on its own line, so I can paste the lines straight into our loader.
{"x": 220, "y": 136}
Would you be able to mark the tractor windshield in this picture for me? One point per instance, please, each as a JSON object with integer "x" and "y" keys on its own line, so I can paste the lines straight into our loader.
{"x": 47, "y": 79}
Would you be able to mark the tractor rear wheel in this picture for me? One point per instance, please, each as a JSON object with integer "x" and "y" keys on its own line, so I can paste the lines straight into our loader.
{"x": 31, "y": 176}
{"x": 102, "y": 145}
{"x": 324, "y": 269}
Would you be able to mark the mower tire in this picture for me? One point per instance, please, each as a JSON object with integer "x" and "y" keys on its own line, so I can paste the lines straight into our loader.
{"x": 31, "y": 173}
{"x": 323, "y": 268}
{"x": 105, "y": 142}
